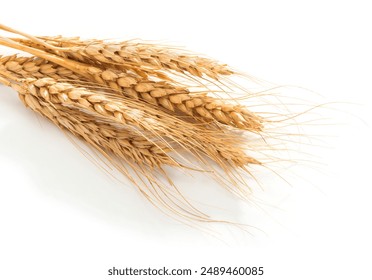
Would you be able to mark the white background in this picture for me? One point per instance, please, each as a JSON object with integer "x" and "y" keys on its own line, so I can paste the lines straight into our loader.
{"x": 61, "y": 217}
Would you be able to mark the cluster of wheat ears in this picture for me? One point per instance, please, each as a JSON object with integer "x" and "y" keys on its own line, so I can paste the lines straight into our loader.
{"x": 144, "y": 107}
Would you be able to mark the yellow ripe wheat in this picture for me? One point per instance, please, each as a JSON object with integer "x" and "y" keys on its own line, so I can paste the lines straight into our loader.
{"x": 132, "y": 102}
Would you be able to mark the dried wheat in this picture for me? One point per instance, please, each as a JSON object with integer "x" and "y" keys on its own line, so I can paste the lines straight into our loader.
{"x": 142, "y": 57}
{"x": 169, "y": 96}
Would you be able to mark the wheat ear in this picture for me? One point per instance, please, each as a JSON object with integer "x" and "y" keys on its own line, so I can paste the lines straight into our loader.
{"x": 117, "y": 139}
{"x": 133, "y": 114}
{"x": 143, "y": 58}
{"x": 166, "y": 95}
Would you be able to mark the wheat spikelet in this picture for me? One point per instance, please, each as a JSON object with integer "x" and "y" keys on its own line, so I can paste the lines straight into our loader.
{"x": 27, "y": 67}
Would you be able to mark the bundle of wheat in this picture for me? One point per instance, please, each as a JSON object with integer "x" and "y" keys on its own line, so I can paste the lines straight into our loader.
{"x": 142, "y": 106}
